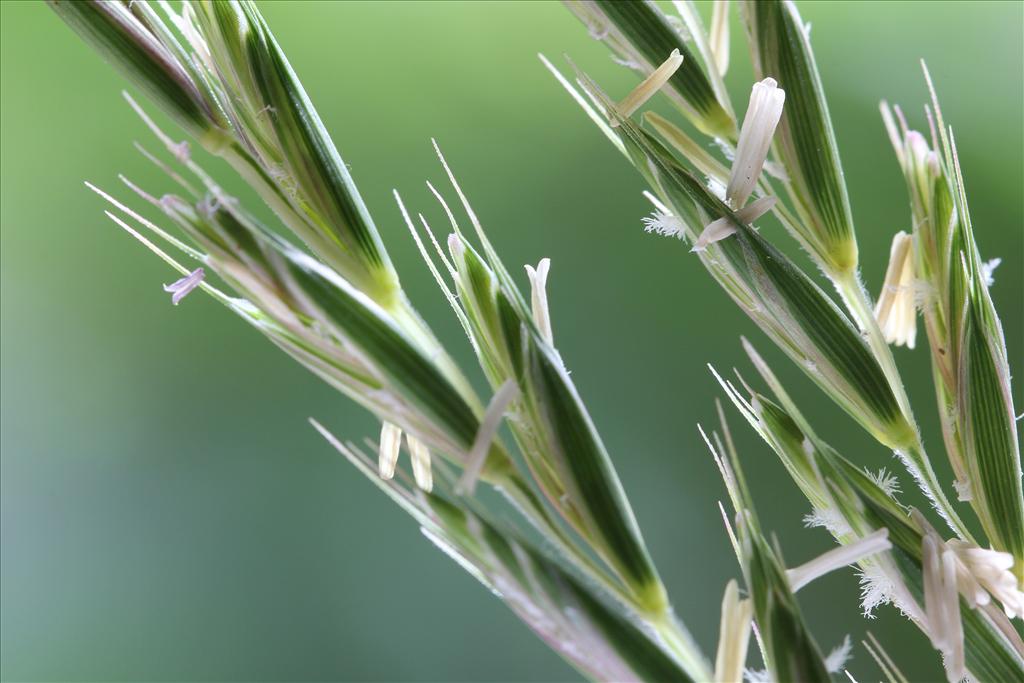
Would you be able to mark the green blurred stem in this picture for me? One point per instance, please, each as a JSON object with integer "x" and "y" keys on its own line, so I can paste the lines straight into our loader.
{"x": 858, "y": 303}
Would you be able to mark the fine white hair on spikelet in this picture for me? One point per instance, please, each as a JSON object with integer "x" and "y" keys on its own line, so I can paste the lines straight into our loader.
{"x": 876, "y": 589}
{"x": 987, "y": 270}
{"x": 829, "y": 519}
{"x": 572, "y": 563}
{"x": 886, "y": 481}
{"x": 667, "y": 225}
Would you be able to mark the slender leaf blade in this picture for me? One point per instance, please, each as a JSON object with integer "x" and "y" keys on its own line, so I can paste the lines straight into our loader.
{"x": 650, "y": 36}
{"x": 804, "y": 139}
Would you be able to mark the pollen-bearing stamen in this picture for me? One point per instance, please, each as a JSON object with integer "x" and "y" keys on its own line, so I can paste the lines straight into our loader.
{"x": 648, "y": 87}
{"x": 763, "y": 114}
{"x": 958, "y": 568}
{"x": 896, "y": 310}
{"x": 837, "y": 558}
{"x": 723, "y": 227}
{"x": 180, "y": 288}
{"x": 420, "y": 455}
{"x": 390, "y": 444}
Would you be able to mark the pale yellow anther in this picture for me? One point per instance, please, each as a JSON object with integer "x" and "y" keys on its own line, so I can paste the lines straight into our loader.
{"x": 650, "y": 85}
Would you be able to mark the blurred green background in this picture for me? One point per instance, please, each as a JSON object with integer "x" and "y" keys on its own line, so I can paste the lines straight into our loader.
{"x": 167, "y": 513}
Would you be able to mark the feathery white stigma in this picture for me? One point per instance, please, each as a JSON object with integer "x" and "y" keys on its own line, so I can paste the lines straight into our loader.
{"x": 420, "y": 463}
{"x": 837, "y": 658}
{"x": 895, "y": 310}
{"x": 829, "y": 519}
{"x": 661, "y": 223}
{"x": 886, "y": 481}
{"x": 648, "y": 87}
{"x": 763, "y": 114}
{"x": 988, "y": 268}
{"x": 837, "y": 558}
{"x": 180, "y": 288}
{"x": 390, "y": 442}
{"x": 876, "y": 589}
{"x": 539, "y": 298}
{"x": 723, "y": 227}
{"x": 733, "y": 635}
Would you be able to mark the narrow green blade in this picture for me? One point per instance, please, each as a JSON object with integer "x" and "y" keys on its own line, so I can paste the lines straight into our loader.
{"x": 123, "y": 40}
{"x": 990, "y": 439}
{"x": 792, "y": 653}
{"x": 648, "y": 33}
{"x": 587, "y": 469}
{"x": 804, "y": 138}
